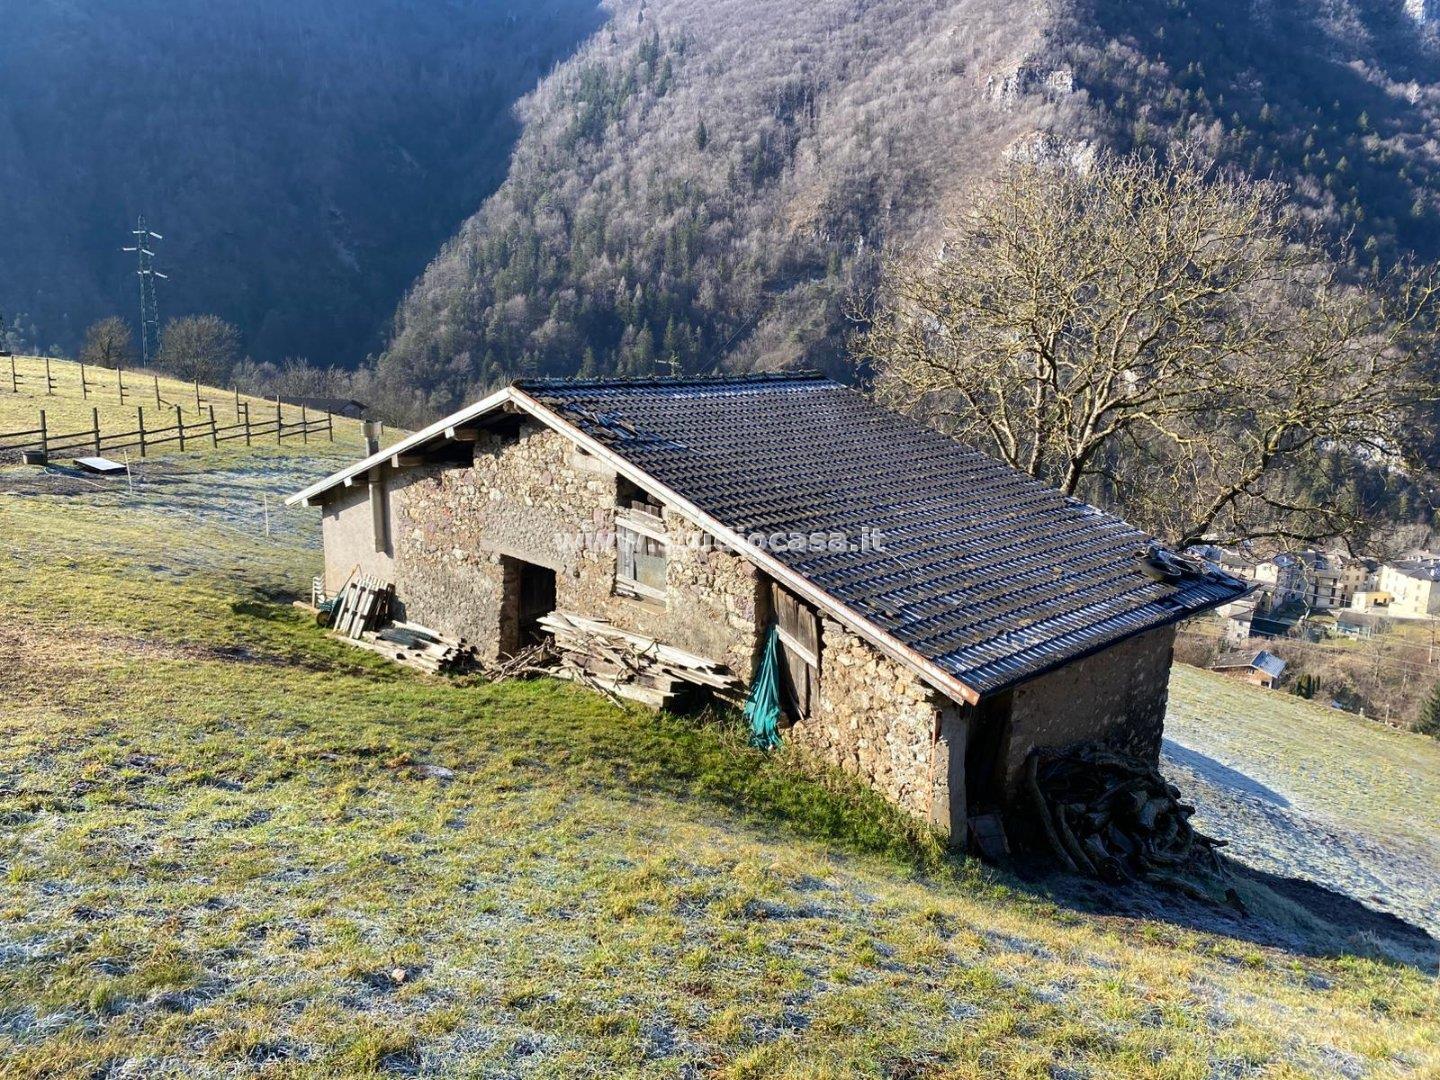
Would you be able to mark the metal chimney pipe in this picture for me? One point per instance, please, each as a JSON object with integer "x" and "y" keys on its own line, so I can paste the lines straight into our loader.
{"x": 373, "y": 428}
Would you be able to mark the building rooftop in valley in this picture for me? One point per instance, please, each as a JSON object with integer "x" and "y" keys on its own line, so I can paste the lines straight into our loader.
{"x": 973, "y": 567}
{"x": 1427, "y": 569}
{"x": 1263, "y": 661}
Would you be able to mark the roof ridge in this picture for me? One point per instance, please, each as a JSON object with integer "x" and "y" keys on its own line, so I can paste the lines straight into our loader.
{"x": 759, "y": 378}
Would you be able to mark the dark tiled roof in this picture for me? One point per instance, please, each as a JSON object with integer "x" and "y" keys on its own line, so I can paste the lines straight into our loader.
{"x": 991, "y": 575}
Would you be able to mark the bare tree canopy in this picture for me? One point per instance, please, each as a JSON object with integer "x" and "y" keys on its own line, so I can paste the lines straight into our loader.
{"x": 109, "y": 343}
{"x": 1165, "y": 340}
{"x": 203, "y": 347}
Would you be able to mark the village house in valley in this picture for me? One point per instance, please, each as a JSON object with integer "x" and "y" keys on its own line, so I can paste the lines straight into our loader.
{"x": 940, "y": 614}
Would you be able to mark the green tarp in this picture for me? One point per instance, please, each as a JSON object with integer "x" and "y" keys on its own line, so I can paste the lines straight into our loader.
{"x": 762, "y": 708}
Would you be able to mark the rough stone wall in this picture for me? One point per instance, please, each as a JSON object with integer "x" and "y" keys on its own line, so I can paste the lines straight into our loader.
{"x": 876, "y": 719}
{"x": 454, "y": 527}
{"x": 715, "y": 606}
{"x": 348, "y": 533}
{"x": 537, "y": 497}
{"x": 1116, "y": 696}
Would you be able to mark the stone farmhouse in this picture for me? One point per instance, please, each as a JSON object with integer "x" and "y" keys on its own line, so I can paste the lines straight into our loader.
{"x": 940, "y": 613}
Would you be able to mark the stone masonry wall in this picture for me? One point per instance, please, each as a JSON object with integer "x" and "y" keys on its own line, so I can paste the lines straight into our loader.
{"x": 876, "y": 719}
{"x": 539, "y": 498}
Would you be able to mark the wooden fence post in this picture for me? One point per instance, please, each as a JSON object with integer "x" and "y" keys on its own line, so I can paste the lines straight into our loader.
{"x": 279, "y": 422}
{"x": 304, "y": 426}
{"x": 214, "y": 434}
{"x": 120, "y": 383}
{"x": 180, "y": 427}
{"x": 44, "y": 437}
{"x": 140, "y": 416}
{"x": 237, "y": 404}
{"x": 84, "y": 385}
{"x": 49, "y": 380}
{"x": 158, "y": 402}
{"x": 95, "y": 419}
{"x": 14, "y": 379}
{"x": 247, "y": 423}
{"x": 330, "y": 425}
{"x": 197, "y": 395}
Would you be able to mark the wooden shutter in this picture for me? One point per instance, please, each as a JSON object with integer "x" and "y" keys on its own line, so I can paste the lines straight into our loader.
{"x": 799, "y": 632}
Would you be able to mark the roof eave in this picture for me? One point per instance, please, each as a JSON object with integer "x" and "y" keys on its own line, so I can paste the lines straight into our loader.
{"x": 439, "y": 429}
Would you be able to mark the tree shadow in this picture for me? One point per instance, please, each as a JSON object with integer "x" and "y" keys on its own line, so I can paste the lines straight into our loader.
{"x": 1222, "y": 775}
{"x": 1291, "y": 914}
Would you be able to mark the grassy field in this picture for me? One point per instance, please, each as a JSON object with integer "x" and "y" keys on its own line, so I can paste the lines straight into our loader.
{"x": 232, "y": 846}
{"x": 69, "y": 410}
{"x": 1374, "y": 778}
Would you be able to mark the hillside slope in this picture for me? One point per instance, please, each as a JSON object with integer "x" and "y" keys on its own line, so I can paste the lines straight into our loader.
{"x": 706, "y": 183}
{"x": 709, "y": 181}
{"x": 303, "y": 158}
{"x": 1308, "y": 792}
{"x": 590, "y": 893}
{"x": 233, "y": 845}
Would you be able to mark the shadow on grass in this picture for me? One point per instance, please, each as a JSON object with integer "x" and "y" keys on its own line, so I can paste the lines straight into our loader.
{"x": 552, "y": 732}
{"x": 1291, "y": 914}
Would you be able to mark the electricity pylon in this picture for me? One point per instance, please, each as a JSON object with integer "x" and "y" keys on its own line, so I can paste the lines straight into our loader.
{"x": 149, "y": 309}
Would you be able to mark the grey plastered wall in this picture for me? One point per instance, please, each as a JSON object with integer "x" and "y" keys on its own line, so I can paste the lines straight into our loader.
{"x": 347, "y": 529}
{"x": 1116, "y": 696}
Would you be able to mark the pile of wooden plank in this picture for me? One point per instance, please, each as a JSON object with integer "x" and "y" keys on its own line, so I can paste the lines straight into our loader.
{"x": 363, "y": 604}
{"x": 631, "y": 666}
{"x": 420, "y": 648}
{"x": 1115, "y": 817}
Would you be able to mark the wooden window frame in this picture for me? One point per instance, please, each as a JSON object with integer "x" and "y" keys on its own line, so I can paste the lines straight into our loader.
{"x": 642, "y": 526}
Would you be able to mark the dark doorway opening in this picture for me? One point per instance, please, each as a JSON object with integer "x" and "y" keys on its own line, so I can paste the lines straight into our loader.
{"x": 537, "y": 599}
{"x": 529, "y": 596}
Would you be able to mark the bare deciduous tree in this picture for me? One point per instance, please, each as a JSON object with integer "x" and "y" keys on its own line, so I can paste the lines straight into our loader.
{"x": 203, "y": 347}
{"x": 1169, "y": 340}
{"x": 108, "y": 343}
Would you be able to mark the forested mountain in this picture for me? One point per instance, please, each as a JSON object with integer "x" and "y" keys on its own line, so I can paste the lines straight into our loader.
{"x": 706, "y": 182}
{"x": 304, "y": 158}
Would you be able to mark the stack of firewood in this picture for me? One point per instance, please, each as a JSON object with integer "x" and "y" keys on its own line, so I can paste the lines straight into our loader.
{"x": 1115, "y": 817}
{"x": 631, "y": 666}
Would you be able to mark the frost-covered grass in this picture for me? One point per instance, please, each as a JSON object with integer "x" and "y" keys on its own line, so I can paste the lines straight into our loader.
{"x": 70, "y": 409}
{"x": 1373, "y": 778}
{"x": 232, "y": 846}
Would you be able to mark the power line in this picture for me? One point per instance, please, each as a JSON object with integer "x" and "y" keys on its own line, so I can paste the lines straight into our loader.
{"x": 149, "y": 308}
